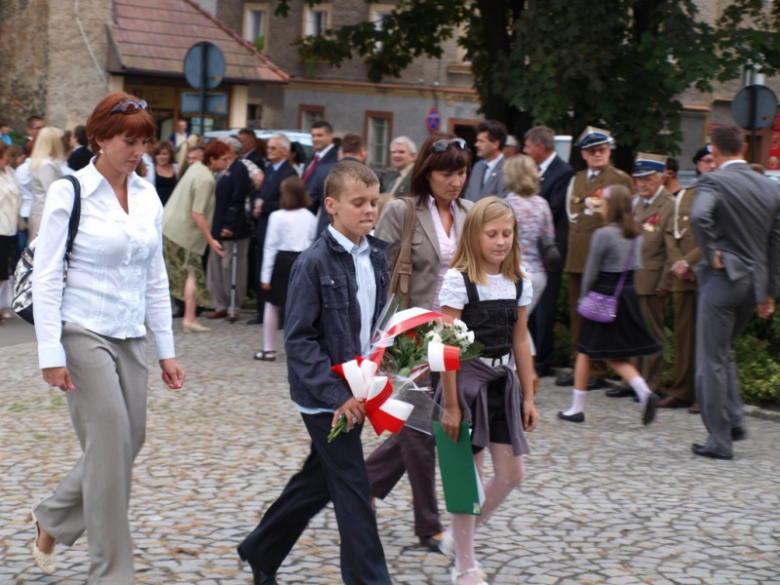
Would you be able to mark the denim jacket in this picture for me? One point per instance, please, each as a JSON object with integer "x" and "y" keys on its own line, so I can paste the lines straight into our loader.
{"x": 322, "y": 322}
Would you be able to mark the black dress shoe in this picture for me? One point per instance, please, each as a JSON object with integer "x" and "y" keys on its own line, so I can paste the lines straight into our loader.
{"x": 738, "y": 434}
{"x": 579, "y": 417}
{"x": 648, "y": 415}
{"x": 619, "y": 392}
{"x": 431, "y": 543}
{"x": 259, "y": 577}
{"x": 598, "y": 384}
{"x": 255, "y": 321}
{"x": 565, "y": 380}
{"x": 701, "y": 451}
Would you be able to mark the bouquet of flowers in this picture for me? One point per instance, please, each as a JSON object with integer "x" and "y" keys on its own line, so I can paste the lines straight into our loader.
{"x": 413, "y": 352}
{"x": 405, "y": 345}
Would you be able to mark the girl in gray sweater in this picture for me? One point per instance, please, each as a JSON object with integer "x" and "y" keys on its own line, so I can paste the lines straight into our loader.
{"x": 626, "y": 336}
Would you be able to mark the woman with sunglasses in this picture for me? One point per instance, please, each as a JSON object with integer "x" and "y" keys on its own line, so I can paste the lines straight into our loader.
{"x": 92, "y": 335}
{"x": 438, "y": 178}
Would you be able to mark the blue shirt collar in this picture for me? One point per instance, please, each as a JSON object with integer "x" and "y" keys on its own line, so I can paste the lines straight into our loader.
{"x": 347, "y": 244}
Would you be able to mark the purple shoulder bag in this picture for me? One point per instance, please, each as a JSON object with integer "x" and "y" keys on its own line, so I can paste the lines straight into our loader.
{"x": 603, "y": 308}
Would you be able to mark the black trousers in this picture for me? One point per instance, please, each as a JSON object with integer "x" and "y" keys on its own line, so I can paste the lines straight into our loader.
{"x": 333, "y": 472}
{"x": 541, "y": 323}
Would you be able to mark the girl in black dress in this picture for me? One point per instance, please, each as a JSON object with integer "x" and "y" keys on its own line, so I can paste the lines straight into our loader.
{"x": 626, "y": 336}
{"x": 164, "y": 170}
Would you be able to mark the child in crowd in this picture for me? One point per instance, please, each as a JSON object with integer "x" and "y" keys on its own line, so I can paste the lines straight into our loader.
{"x": 291, "y": 230}
{"x": 486, "y": 289}
{"x": 627, "y": 335}
{"x": 329, "y": 320}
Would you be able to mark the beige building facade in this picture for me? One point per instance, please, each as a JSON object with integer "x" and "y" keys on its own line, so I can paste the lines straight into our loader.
{"x": 59, "y": 57}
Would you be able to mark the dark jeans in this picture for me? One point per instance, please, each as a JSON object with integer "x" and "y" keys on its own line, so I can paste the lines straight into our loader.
{"x": 333, "y": 472}
{"x": 541, "y": 324}
{"x": 21, "y": 244}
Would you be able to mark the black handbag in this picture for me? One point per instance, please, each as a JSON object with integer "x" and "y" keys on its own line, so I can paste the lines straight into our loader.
{"x": 23, "y": 276}
{"x": 549, "y": 252}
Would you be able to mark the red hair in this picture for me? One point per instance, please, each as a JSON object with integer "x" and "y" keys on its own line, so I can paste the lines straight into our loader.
{"x": 104, "y": 125}
{"x": 215, "y": 149}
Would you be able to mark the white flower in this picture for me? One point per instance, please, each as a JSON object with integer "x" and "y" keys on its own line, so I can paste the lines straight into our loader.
{"x": 461, "y": 335}
{"x": 459, "y": 325}
{"x": 470, "y": 337}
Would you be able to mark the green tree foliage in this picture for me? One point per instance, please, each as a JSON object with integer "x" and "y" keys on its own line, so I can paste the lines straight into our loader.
{"x": 570, "y": 63}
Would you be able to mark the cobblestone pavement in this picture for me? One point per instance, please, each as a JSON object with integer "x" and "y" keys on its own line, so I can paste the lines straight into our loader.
{"x": 607, "y": 501}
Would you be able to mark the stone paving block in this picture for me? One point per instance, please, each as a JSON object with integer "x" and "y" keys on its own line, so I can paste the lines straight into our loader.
{"x": 608, "y": 501}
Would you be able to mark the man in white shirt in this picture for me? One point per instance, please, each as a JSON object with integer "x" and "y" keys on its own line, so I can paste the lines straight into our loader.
{"x": 487, "y": 176}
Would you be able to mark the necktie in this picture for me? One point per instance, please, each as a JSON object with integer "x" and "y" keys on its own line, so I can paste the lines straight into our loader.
{"x": 485, "y": 173}
{"x": 311, "y": 168}
{"x": 647, "y": 203}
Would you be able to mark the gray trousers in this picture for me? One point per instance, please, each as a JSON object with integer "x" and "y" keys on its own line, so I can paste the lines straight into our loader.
{"x": 108, "y": 411}
{"x": 723, "y": 310}
{"x": 219, "y": 275}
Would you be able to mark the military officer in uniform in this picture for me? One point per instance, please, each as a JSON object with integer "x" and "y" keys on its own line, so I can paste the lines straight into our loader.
{"x": 653, "y": 209}
{"x": 683, "y": 254}
{"x": 583, "y": 200}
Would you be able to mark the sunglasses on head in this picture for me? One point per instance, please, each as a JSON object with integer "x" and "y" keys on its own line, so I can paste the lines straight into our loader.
{"x": 129, "y": 106}
{"x": 442, "y": 145}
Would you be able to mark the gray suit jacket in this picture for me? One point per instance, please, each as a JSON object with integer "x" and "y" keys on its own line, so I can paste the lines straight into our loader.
{"x": 494, "y": 184}
{"x": 737, "y": 212}
{"x": 425, "y": 245}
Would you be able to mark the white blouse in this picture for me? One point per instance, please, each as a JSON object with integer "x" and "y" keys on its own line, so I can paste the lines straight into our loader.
{"x": 289, "y": 230}
{"x": 116, "y": 279}
{"x": 453, "y": 290}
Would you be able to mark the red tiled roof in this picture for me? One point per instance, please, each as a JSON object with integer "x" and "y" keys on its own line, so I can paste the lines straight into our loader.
{"x": 153, "y": 37}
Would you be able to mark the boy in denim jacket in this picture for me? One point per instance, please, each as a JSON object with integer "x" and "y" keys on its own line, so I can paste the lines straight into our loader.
{"x": 338, "y": 287}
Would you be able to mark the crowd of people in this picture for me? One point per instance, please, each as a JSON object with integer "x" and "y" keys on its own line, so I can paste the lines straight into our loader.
{"x": 178, "y": 226}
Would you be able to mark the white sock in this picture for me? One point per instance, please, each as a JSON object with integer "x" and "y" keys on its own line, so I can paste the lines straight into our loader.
{"x": 641, "y": 388}
{"x": 578, "y": 402}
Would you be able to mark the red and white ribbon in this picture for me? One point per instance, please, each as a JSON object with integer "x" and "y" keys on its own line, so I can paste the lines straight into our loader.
{"x": 443, "y": 358}
{"x": 384, "y": 412}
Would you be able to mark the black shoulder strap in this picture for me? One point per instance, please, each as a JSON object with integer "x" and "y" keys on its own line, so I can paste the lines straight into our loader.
{"x": 75, "y": 214}
{"x": 471, "y": 289}
{"x": 519, "y": 287}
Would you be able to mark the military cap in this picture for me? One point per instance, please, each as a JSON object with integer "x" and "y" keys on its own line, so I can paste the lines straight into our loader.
{"x": 647, "y": 164}
{"x": 592, "y": 136}
{"x": 701, "y": 153}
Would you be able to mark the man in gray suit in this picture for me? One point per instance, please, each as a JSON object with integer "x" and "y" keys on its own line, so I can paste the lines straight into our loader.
{"x": 487, "y": 176}
{"x": 736, "y": 221}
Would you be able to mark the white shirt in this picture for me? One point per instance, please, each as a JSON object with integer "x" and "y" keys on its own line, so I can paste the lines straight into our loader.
{"x": 116, "y": 279}
{"x": 453, "y": 290}
{"x": 24, "y": 178}
{"x": 546, "y": 163}
{"x": 289, "y": 230}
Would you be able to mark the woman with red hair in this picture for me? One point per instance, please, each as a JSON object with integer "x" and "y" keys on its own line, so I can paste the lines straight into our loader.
{"x": 92, "y": 335}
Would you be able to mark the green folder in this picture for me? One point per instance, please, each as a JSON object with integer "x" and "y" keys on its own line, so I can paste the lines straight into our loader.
{"x": 463, "y": 493}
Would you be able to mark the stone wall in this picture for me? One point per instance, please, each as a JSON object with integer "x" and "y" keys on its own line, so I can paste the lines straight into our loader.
{"x": 76, "y": 82}
{"x": 46, "y": 65}
{"x": 23, "y": 60}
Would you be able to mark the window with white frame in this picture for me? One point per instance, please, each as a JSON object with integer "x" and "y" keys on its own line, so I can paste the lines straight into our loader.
{"x": 379, "y": 129}
{"x": 256, "y": 25}
{"x": 379, "y": 13}
{"x": 316, "y": 20}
